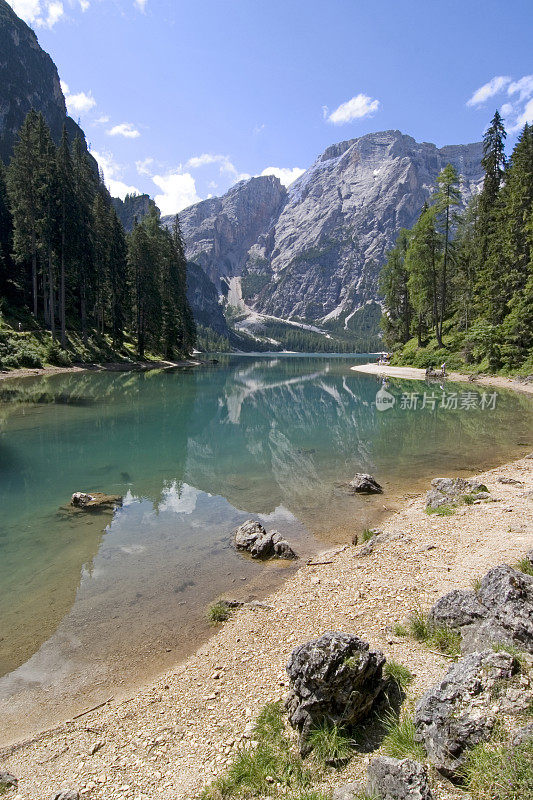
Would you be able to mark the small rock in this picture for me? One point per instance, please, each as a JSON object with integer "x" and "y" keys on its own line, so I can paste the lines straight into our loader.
{"x": 350, "y": 791}
{"x": 363, "y": 483}
{"x": 8, "y": 781}
{"x": 398, "y": 779}
{"x": 510, "y": 481}
{"x": 450, "y": 491}
{"x": 68, "y": 795}
{"x": 95, "y": 501}
{"x": 251, "y": 536}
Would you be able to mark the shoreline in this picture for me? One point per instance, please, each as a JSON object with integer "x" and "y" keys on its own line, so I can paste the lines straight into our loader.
{"x": 111, "y": 366}
{"x": 173, "y": 736}
{"x": 416, "y": 374}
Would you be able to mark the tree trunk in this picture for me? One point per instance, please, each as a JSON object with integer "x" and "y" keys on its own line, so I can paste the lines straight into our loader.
{"x": 83, "y": 310}
{"x": 52, "y": 295}
{"x": 34, "y": 273}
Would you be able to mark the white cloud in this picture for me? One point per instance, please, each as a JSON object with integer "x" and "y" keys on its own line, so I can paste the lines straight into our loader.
{"x": 507, "y": 109}
{"x": 526, "y": 116}
{"x": 112, "y": 175}
{"x": 358, "y": 107}
{"x": 103, "y": 120}
{"x": 143, "y": 167}
{"x": 285, "y": 174}
{"x": 84, "y": 5}
{"x": 78, "y": 103}
{"x": 178, "y": 191}
{"x": 41, "y": 13}
{"x": 488, "y": 90}
{"x": 141, "y": 5}
{"x": 257, "y": 129}
{"x": 125, "y": 129}
{"x": 224, "y": 162}
{"x": 524, "y": 86}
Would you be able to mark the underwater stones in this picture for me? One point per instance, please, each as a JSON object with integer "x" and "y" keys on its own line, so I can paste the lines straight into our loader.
{"x": 95, "y": 500}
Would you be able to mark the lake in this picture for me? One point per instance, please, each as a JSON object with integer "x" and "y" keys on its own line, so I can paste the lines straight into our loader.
{"x": 92, "y": 605}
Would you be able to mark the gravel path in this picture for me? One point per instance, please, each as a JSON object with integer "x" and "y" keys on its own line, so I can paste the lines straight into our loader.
{"x": 172, "y": 737}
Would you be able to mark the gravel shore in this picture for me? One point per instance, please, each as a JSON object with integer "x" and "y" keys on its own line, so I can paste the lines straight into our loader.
{"x": 174, "y": 736}
{"x": 413, "y": 373}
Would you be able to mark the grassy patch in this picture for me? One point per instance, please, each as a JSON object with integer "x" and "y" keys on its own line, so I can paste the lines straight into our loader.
{"x": 399, "y": 673}
{"x": 524, "y": 565}
{"x": 272, "y": 767}
{"x": 442, "y": 511}
{"x": 469, "y": 499}
{"x": 399, "y": 740}
{"x": 476, "y": 584}
{"x": 444, "y": 638}
{"x": 498, "y": 771}
{"x": 366, "y": 535}
{"x": 330, "y": 744}
{"x": 218, "y": 612}
{"x": 517, "y": 654}
{"x": 400, "y": 630}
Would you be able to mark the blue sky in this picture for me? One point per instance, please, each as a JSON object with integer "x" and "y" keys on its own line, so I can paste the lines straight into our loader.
{"x": 182, "y": 98}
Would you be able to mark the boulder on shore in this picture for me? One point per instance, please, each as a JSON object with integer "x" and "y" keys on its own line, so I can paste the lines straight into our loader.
{"x": 68, "y": 795}
{"x": 501, "y": 611}
{"x": 252, "y": 537}
{"x": 335, "y": 679}
{"x": 459, "y": 713}
{"x": 8, "y": 781}
{"x": 397, "y": 779}
{"x": 95, "y": 500}
{"x": 450, "y": 491}
{"x": 363, "y": 483}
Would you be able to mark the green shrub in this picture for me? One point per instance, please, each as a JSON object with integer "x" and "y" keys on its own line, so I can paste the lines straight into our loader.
{"x": 399, "y": 673}
{"x": 366, "y": 535}
{"x": 270, "y": 765}
{"x": 330, "y": 744}
{"x": 399, "y": 630}
{"x": 57, "y": 356}
{"x": 442, "y": 511}
{"x": 524, "y": 565}
{"x": 442, "y": 637}
{"x": 218, "y": 612}
{"x": 399, "y": 740}
{"x": 498, "y": 771}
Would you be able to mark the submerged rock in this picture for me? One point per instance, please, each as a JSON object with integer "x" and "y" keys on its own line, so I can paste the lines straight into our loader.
{"x": 398, "y": 779}
{"x": 251, "y": 536}
{"x": 362, "y": 483}
{"x": 95, "y": 500}
{"x": 501, "y": 611}
{"x": 450, "y": 491}
{"x": 336, "y": 679}
{"x": 459, "y": 713}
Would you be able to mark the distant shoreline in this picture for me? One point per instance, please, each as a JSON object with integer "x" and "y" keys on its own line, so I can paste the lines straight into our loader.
{"x": 112, "y": 366}
{"x": 415, "y": 374}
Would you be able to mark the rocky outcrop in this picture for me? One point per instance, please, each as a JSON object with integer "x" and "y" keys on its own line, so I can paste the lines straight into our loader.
{"x": 28, "y": 79}
{"x": 219, "y": 232}
{"x": 501, "y": 611}
{"x": 397, "y": 779}
{"x": 363, "y": 483}
{"x": 7, "y": 782}
{"x": 252, "y": 537}
{"x": 459, "y": 712}
{"x": 68, "y": 795}
{"x": 95, "y": 501}
{"x": 335, "y": 679}
{"x": 451, "y": 491}
{"x": 133, "y": 207}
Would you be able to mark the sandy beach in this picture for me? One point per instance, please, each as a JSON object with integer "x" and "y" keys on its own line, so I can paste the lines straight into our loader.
{"x": 170, "y": 739}
{"x": 413, "y": 373}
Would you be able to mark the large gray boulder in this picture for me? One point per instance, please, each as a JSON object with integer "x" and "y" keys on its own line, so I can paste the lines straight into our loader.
{"x": 398, "y": 779}
{"x": 450, "y": 491}
{"x": 251, "y": 536}
{"x": 501, "y": 611}
{"x": 336, "y": 679}
{"x": 460, "y": 712}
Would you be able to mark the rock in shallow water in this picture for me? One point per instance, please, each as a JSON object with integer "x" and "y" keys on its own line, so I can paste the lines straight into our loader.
{"x": 251, "y": 536}
{"x": 398, "y": 779}
{"x": 95, "y": 500}
{"x": 336, "y": 679}
{"x": 363, "y": 483}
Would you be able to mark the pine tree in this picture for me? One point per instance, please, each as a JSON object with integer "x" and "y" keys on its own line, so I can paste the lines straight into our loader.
{"x": 447, "y": 197}
{"x": 6, "y": 236}
{"x": 47, "y": 221}
{"x": 394, "y": 289}
{"x": 23, "y": 189}
{"x": 84, "y": 184}
{"x": 421, "y": 261}
{"x": 66, "y": 213}
{"x": 118, "y": 275}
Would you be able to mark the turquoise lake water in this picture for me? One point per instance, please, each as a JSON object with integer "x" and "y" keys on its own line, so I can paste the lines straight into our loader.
{"x": 90, "y": 604}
